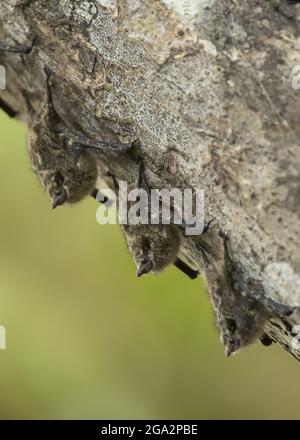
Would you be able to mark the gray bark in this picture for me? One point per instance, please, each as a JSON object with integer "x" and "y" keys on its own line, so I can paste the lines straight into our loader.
{"x": 206, "y": 86}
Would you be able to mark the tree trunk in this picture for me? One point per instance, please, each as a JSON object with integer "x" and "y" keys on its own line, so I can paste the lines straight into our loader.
{"x": 207, "y": 87}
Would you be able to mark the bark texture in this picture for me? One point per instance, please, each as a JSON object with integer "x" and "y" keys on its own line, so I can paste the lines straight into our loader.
{"x": 206, "y": 86}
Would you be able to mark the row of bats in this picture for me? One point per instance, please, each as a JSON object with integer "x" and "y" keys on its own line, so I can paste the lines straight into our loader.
{"x": 68, "y": 172}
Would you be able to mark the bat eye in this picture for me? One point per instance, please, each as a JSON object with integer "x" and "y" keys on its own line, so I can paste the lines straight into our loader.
{"x": 231, "y": 324}
{"x": 146, "y": 245}
{"x": 58, "y": 178}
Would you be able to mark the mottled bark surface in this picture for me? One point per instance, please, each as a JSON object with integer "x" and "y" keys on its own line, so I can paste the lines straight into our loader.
{"x": 207, "y": 89}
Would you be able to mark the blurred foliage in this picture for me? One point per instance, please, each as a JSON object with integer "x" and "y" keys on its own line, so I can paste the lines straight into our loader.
{"x": 86, "y": 339}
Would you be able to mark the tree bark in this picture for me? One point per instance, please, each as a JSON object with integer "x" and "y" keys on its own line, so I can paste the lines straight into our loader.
{"x": 206, "y": 86}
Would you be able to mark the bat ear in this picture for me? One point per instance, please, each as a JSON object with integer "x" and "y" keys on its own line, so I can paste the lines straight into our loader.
{"x": 145, "y": 267}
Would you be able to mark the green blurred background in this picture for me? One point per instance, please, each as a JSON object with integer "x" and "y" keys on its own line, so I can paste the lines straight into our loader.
{"x": 86, "y": 339}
